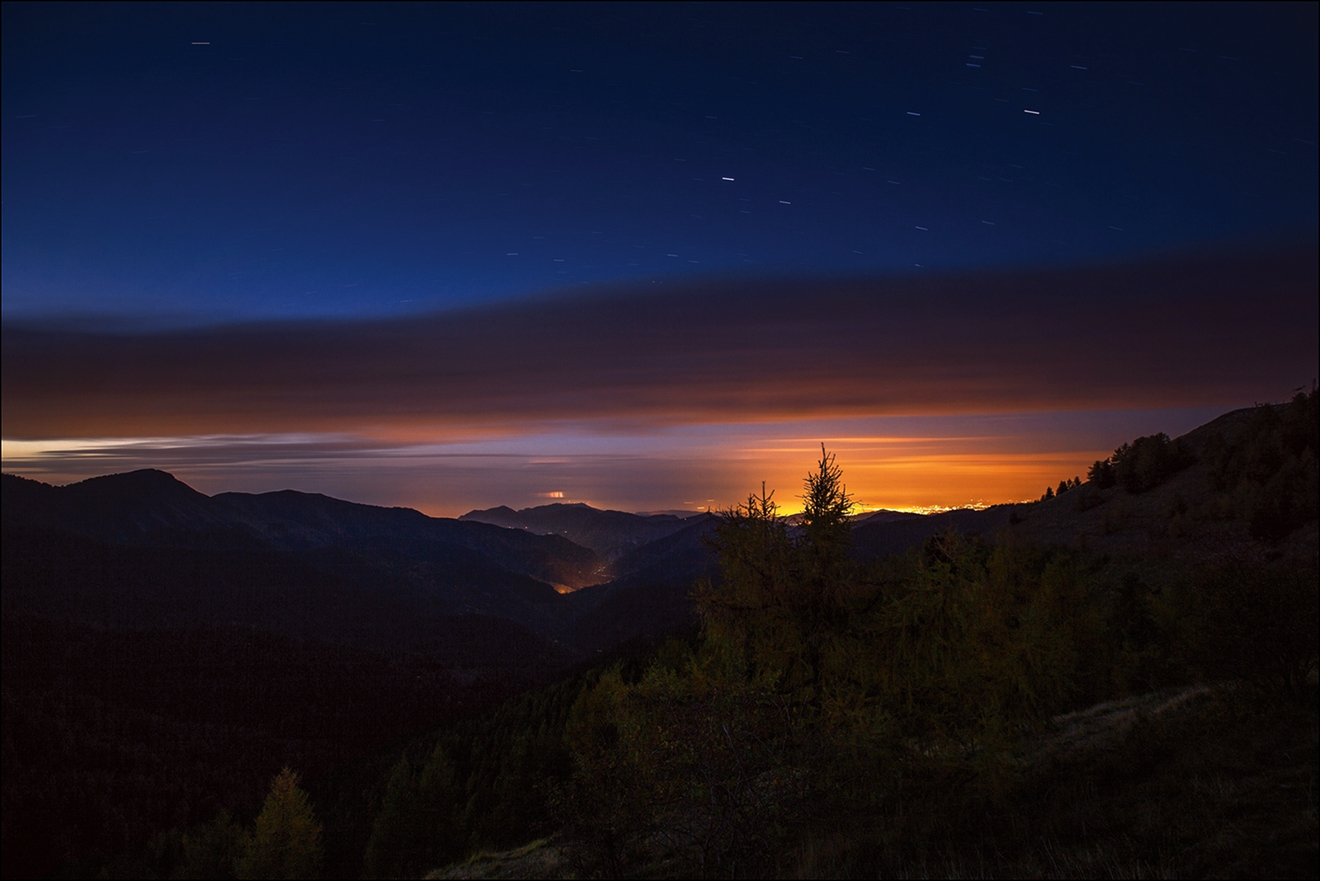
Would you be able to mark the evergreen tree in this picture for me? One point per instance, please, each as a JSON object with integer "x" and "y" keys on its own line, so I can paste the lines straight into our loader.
{"x": 1101, "y": 473}
{"x": 826, "y": 508}
{"x": 416, "y": 829}
{"x": 287, "y": 840}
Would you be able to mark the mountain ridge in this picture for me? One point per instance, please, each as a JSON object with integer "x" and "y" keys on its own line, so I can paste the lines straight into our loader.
{"x": 610, "y": 533}
{"x": 575, "y": 576}
{"x": 132, "y": 599}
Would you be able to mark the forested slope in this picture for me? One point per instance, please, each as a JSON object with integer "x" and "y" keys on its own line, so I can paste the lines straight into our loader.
{"x": 1136, "y": 688}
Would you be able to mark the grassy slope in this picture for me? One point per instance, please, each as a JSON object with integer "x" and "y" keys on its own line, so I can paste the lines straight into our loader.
{"x": 1183, "y": 783}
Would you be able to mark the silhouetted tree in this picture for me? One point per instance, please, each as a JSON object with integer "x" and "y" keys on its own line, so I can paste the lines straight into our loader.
{"x": 1101, "y": 474}
{"x": 826, "y": 530}
{"x": 1148, "y": 462}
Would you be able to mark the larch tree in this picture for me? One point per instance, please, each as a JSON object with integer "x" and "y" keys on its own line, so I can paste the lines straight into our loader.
{"x": 287, "y": 840}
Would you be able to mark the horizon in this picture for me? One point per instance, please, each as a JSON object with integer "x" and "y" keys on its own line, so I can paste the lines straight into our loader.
{"x": 787, "y": 505}
{"x": 859, "y": 512}
{"x": 449, "y": 258}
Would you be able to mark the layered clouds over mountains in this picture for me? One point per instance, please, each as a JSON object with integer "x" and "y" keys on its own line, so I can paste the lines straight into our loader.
{"x": 934, "y": 390}
{"x": 1172, "y": 333}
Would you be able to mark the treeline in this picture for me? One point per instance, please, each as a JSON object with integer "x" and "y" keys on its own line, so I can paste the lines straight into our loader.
{"x": 1141, "y": 465}
{"x": 1270, "y": 473}
{"x": 484, "y": 783}
{"x": 480, "y": 782}
{"x": 1265, "y": 471}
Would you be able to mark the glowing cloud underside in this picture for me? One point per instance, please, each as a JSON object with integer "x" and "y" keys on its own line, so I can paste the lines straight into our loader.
{"x": 651, "y": 376}
{"x": 892, "y": 462}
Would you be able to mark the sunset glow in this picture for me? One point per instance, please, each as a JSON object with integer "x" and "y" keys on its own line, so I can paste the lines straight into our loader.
{"x": 903, "y": 463}
{"x": 437, "y": 292}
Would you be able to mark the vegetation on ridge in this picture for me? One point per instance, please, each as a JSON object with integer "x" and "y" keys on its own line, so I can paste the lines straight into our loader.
{"x": 974, "y": 706}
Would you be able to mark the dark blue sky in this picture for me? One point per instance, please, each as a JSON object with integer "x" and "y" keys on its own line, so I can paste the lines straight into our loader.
{"x": 196, "y": 162}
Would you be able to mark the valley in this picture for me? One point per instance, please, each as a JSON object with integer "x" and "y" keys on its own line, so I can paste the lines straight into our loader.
{"x": 167, "y": 652}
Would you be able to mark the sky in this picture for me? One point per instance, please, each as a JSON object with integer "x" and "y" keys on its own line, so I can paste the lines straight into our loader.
{"x": 646, "y": 255}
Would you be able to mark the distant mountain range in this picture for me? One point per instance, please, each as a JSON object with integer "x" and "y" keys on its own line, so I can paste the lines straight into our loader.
{"x": 166, "y": 652}
{"x": 609, "y": 533}
{"x": 552, "y": 583}
{"x": 145, "y": 550}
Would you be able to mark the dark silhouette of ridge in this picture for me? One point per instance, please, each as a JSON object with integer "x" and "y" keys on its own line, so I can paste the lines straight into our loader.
{"x": 152, "y": 507}
{"x": 612, "y": 534}
{"x": 166, "y": 652}
{"x": 144, "y": 549}
{"x": 883, "y": 516}
{"x": 116, "y": 507}
{"x": 881, "y": 536}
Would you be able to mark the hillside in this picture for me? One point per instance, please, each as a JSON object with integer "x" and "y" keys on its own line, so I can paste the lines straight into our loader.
{"x": 1154, "y": 785}
{"x": 891, "y": 533}
{"x": 153, "y": 508}
{"x": 218, "y": 639}
{"x": 1171, "y": 600}
{"x": 1245, "y": 490}
{"x": 222, "y": 637}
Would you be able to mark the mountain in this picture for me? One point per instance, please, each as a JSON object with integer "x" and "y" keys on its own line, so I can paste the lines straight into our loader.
{"x": 151, "y": 507}
{"x": 167, "y": 652}
{"x": 892, "y": 532}
{"x": 612, "y": 534}
{"x": 144, "y": 549}
{"x": 884, "y": 515}
{"x": 565, "y": 581}
{"x": 116, "y": 507}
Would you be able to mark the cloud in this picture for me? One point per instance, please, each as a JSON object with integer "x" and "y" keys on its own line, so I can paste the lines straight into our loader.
{"x": 887, "y": 461}
{"x": 1178, "y": 332}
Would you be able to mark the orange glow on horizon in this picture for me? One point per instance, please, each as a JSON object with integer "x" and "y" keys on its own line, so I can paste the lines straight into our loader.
{"x": 928, "y": 481}
{"x": 910, "y": 463}
{"x": 918, "y": 474}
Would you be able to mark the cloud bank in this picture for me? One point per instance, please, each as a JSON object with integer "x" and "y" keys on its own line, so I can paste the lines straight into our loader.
{"x": 1179, "y": 332}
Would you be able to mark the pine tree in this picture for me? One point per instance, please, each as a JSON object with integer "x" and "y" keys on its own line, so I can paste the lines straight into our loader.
{"x": 826, "y": 532}
{"x": 287, "y": 840}
{"x": 826, "y": 505}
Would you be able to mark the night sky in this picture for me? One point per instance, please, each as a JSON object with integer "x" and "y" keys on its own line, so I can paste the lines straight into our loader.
{"x": 647, "y": 255}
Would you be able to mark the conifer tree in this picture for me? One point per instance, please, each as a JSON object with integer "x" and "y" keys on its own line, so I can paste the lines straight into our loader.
{"x": 826, "y": 505}
{"x": 826, "y": 530}
{"x": 287, "y": 840}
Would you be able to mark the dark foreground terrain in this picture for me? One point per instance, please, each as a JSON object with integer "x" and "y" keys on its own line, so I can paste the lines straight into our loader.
{"x": 1183, "y": 783}
{"x": 1118, "y": 679}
